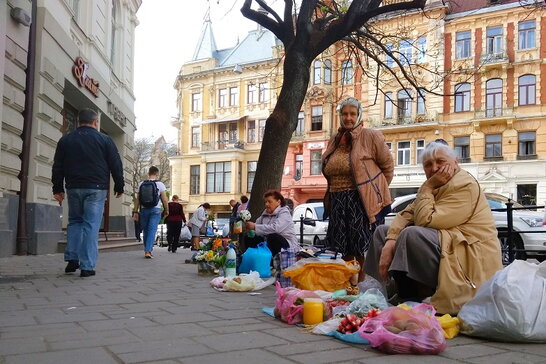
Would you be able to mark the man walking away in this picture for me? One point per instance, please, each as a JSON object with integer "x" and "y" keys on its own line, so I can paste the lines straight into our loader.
{"x": 174, "y": 223}
{"x": 151, "y": 194}
{"x": 84, "y": 160}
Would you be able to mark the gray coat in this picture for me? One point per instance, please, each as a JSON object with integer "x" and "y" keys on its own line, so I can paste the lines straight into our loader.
{"x": 280, "y": 222}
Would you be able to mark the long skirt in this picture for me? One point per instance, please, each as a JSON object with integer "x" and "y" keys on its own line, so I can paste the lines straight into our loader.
{"x": 349, "y": 229}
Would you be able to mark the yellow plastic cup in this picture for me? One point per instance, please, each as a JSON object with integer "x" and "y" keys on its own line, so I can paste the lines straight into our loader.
{"x": 313, "y": 311}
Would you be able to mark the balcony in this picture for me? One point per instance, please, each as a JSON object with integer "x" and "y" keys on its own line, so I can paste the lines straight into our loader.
{"x": 492, "y": 60}
{"x": 222, "y": 145}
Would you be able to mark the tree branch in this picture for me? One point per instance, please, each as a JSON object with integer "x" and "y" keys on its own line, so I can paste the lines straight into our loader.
{"x": 263, "y": 20}
{"x": 268, "y": 8}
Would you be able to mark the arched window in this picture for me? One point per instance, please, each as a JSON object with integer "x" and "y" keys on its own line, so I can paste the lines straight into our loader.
{"x": 462, "y": 97}
{"x": 327, "y": 72}
{"x": 493, "y": 100}
{"x": 113, "y": 31}
{"x": 404, "y": 103}
{"x": 346, "y": 73}
{"x": 317, "y": 70}
{"x": 527, "y": 90}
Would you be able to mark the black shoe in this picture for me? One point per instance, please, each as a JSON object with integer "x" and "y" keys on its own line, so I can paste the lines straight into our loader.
{"x": 174, "y": 250}
{"x": 72, "y": 266}
{"x": 169, "y": 248}
{"x": 87, "y": 273}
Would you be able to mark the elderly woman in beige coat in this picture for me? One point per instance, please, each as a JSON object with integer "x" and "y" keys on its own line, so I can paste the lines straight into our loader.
{"x": 442, "y": 245}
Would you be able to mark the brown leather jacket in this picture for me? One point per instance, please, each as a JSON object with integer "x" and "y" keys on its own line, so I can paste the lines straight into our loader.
{"x": 372, "y": 166}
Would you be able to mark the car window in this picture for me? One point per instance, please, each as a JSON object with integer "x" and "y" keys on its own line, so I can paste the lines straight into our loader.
{"x": 320, "y": 212}
{"x": 402, "y": 206}
{"x": 499, "y": 201}
{"x": 309, "y": 214}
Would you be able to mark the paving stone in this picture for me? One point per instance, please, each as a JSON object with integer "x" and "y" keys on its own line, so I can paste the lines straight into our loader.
{"x": 469, "y": 351}
{"x": 407, "y": 359}
{"x": 182, "y": 318}
{"x": 22, "y": 346}
{"x": 170, "y": 331}
{"x": 95, "y": 339}
{"x": 116, "y": 324}
{"x": 39, "y": 330}
{"x": 331, "y": 356}
{"x": 80, "y": 356}
{"x": 70, "y": 316}
{"x": 295, "y": 334}
{"x": 302, "y": 348}
{"x": 241, "y": 328}
{"x": 536, "y": 348}
{"x": 509, "y": 358}
{"x": 20, "y": 318}
{"x": 159, "y": 350}
{"x": 222, "y": 323}
{"x": 240, "y": 341}
{"x": 240, "y": 357}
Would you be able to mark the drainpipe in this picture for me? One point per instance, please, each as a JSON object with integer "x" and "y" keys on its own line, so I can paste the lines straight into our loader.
{"x": 22, "y": 233}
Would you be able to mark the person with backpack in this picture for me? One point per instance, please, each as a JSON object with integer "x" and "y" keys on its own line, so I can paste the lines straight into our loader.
{"x": 84, "y": 160}
{"x": 174, "y": 223}
{"x": 197, "y": 223}
{"x": 151, "y": 194}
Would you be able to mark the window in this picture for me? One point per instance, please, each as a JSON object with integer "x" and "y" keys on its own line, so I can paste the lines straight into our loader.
{"x": 300, "y": 127}
{"x": 233, "y": 137}
{"x": 421, "y": 49}
{"x": 299, "y": 167}
{"x": 261, "y": 129}
{"x": 493, "y": 101}
{"x": 389, "y": 61}
{"x": 526, "y": 143}
{"x": 406, "y": 49}
{"x": 462, "y": 148}
{"x": 420, "y": 148}
{"x": 327, "y": 72}
{"x": 388, "y": 105}
{"x": 404, "y": 104}
{"x": 389, "y": 145}
{"x": 494, "y": 40}
{"x": 527, "y": 194}
{"x": 316, "y": 118}
{"x": 219, "y": 177}
{"x": 251, "y": 131}
{"x": 462, "y": 97}
{"x": 195, "y": 136}
{"x": 493, "y": 145}
{"x": 195, "y": 179}
{"x": 462, "y": 45}
{"x": 195, "y": 102}
{"x": 404, "y": 152}
{"x": 251, "y": 94}
{"x": 222, "y": 134}
{"x": 317, "y": 70}
{"x": 527, "y": 90}
{"x": 346, "y": 73}
{"x": 233, "y": 96}
{"x": 316, "y": 162}
{"x": 222, "y": 97}
{"x": 251, "y": 173}
{"x": 526, "y": 34}
{"x": 262, "y": 92}
{"x": 420, "y": 101}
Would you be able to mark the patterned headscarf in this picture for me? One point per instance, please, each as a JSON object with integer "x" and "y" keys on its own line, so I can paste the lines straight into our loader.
{"x": 344, "y": 133}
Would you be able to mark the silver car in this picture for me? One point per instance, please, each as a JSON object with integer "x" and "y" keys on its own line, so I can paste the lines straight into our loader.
{"x": 314, "y": 227}
{"x": 524, "y": 223}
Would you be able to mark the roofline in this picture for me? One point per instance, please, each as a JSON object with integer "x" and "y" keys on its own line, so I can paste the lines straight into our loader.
{"x": 489, "y": 9}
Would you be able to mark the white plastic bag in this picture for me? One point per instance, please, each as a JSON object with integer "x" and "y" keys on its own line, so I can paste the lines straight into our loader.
{"x": 511, "y": 306}
{"x": 185, "y": 233}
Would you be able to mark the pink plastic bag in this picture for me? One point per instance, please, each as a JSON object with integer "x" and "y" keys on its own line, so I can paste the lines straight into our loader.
{"x": 286, "y": 307}
{"x": 420, "y": 331}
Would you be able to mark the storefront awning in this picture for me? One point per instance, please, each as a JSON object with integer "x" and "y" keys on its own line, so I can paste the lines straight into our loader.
{"x": 226, "y": 119}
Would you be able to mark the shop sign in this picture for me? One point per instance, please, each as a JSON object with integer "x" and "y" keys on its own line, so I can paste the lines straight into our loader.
{"x": 117, "y": 114}
{"x": 315, "y": 145}
{"x": 79, "y": 70}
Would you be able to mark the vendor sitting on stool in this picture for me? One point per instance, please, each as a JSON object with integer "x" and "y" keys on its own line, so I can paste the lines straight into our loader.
{"x": 275, "y": 226}
{"x": 444, "y": 244}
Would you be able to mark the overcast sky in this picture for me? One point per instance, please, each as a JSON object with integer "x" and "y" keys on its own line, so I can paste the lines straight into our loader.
{"x": 166, "y": 38}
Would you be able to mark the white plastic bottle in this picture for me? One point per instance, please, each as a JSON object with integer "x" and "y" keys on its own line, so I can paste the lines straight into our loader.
{"x": 231, "y": 259}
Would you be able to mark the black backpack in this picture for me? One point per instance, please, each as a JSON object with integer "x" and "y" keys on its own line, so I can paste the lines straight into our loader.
{"x": 148, "y": 194}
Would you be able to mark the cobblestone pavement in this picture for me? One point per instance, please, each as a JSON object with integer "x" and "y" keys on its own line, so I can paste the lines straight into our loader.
{"x": 160, "y": 310}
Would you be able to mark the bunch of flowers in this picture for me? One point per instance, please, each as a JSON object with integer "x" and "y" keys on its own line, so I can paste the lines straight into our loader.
{"x": 245, "y": 215}
{"x": 213, "y": 251}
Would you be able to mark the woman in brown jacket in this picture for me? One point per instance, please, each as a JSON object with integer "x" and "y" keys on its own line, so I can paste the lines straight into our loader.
{"x": 358, "y": 167}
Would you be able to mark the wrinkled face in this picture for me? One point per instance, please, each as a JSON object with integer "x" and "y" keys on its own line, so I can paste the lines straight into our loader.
{"x": 271, "y": 203}
{"x": 349, "y": 116}
{"x": 438, "y": 160}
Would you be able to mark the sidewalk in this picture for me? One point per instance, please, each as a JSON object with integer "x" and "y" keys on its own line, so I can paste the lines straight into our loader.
{"x": 160, "y": 310}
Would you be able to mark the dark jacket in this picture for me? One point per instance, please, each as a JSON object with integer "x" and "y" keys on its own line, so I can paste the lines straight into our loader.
{"x": 84, "y": 159}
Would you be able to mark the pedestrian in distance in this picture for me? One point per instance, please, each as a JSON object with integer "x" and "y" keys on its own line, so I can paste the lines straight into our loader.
{"x": 174, "y": 223}
{"x": 84, "y": 160}
{"x": 151, "y": 195}
{"x": 358, "y": 167}
{"x": 243, "y": 205}
{"x": 233, "y": 217}
{"x": 197, "y": 223}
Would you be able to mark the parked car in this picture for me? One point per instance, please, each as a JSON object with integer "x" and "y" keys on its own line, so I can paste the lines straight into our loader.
{"x": 220, "y": 226}
{"x": 314, "y": 227}
{"x": 524, "y": 221}
{"x": 161, "y": 235}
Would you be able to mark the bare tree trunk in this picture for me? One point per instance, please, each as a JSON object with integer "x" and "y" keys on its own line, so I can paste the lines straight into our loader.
{"x": 279, "y": 128}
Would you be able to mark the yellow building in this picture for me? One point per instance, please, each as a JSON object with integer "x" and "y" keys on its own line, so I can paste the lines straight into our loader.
{"x": 224, "y": 98}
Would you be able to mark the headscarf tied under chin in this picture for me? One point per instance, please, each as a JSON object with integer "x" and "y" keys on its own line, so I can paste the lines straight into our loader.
{"x": 345, "y": 138}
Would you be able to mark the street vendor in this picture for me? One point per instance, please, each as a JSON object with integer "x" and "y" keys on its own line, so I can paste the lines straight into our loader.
{"x": 445, "y": 243}
{"x": 275, "y": 226}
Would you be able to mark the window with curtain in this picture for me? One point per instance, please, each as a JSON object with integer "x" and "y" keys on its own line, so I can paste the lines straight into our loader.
{"x": 462, "y": 97}
{"x": 527, "y": 90}
{"x": 493, "y": 97}
{"x": 494, "y": 40}
{"x": 316, "y": 162}
{"x": 526, "y": 34}
{"x": 462, "y": 44}
{"x": 316, "y": 118}
{"x": 218, "y": 177}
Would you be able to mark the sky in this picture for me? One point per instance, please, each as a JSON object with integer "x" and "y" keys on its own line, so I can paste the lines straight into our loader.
{"x": 165, "y": 39}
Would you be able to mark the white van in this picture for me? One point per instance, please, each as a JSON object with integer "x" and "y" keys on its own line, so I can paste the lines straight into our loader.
{"x": 314, "y": 227}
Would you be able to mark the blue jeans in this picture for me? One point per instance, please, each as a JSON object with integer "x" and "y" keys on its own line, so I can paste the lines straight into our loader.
{"x": 149, "y": 219}
{"x": 85, "y": 208}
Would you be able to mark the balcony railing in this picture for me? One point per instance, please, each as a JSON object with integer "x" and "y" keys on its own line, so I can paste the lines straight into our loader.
{"x": 496, "y": 57}
{"x": 223, "y": 145}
